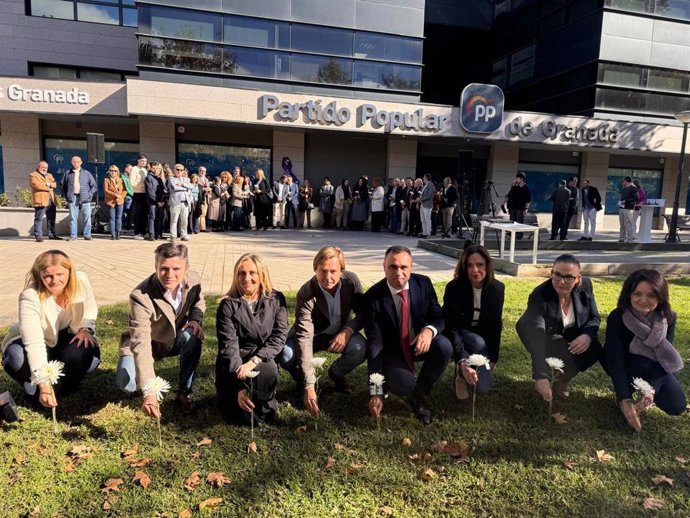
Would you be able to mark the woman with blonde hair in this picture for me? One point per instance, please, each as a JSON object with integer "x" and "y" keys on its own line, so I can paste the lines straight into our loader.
{"x": 57, "y": 321}
{"x": 251, "y": 325}
{"x": 238, "y": 196}
{"x": 115, "y": 193}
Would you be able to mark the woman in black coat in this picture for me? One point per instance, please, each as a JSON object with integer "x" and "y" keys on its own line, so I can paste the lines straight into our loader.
{"x": 251, "y": 325}
{"x": 473, "y": 313}
{"x": 561, "y": 321}
{"x": 639, "y": 344}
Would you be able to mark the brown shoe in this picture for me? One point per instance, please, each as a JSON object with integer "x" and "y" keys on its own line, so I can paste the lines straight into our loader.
{"x": 561, "y": 390}
{"x": 184, "y": 401}
{"x": 460, "y": 386}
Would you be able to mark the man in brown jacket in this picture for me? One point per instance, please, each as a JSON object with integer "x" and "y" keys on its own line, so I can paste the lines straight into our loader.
{"x": 323, "y": 322}
{"x": 165, "y": 319}
{"x": 42, "y": 185}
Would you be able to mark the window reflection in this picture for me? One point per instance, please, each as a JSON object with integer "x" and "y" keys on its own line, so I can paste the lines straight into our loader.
{"x": 322, "y": 40}
{"x": 52, "y": 9}
{"x": 257, "y": 63}
{"x": 186, "y": 55}
{"x": 175, "y": 23}
{"x": 87, "y": 11}
{"x": 217, "y": 158}
{"x": 379, "y": 46}
{"x": 256, "y": 33}
{"x": 319, "y": 69}
{"x": 98, "y": 14}
{"x": 381, "y": 75}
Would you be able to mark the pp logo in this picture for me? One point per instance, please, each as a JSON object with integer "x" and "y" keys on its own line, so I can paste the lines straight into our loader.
{"x": 481, "y": 108}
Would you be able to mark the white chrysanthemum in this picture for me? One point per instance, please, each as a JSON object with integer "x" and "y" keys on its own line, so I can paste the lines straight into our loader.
{"x": 317, "y": 363}
{"x": 51, "y": 372}
{"x": 555, "y": 363}
{"x": 477, "y": 360}
{"x": 643, "y": 386}
{"x": 377, "y": 379}
{"x": 156, "y": 387}
{"x": 252, "y": 374}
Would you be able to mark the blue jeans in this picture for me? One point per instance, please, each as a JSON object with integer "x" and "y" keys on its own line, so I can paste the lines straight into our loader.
{"x": 44, "y": 212}
{"x": 127, "y": 208}
{"x": 187, "y": 346}
{"x": 116, "y": 219}
{"x": 475, "y": 344}
{"x": 74, "y": 208}
{"x": 393, "y": 211}
{"x": 355, "y": 353}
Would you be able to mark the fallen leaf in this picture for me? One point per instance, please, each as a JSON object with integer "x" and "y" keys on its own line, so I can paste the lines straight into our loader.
{"x": 352, "y": 451}
{"x": 112, "y": 484}
{"x": 602, "y": 456}
{"x": 330, "y": 462}
{"x": 354, "y": 468}
{"x": 192, "y": 481}
{"x": 82, "y": 452}
{"x": 185, "y": 513}
{"x": 560, "y": 418}
{"x": 458, "y": 449}
{"x": 439, "y": 446}
{"x": 109, "y": 322}
{"x": 652, "y": 504}
{"x": 196, "y": 455}
{"x": 251, "y": 447}
{"x": 428, "y": 456}
{"x": 36, "y": 511}
{"x": 661, "y": 479}
{"x": 681, "y": 458}
{"x": 414, "y": 457}
{"x": 142, "y": 478}
{"x": 108, "y": 504}
{"x": 301, "y": 429}
{"x": 407, "y": 442}
{"x": 427, "y": 474}
{"x": 570, "y": 464}
{"x": 204, "y": 442}
{"x": 14, "y": 478}
{"x": 384, "y": 509}
{"x": 210, "y": 503}
{"x": 69, "y": 467}
{"x": 138, "y": 463}
{"x": 518, "y": 407}
{"x": 129, "y": 452}
{"x": 18, "y": 459}
{"x": 339, "y": 446}
{"x": 217, "y": 479}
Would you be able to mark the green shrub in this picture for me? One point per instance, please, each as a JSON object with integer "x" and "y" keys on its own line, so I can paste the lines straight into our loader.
{"x": 5, "y": 200}
{"x": 22, "y": 197}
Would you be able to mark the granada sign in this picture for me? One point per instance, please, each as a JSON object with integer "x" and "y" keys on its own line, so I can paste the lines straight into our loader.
{"x": 16, "y": 92}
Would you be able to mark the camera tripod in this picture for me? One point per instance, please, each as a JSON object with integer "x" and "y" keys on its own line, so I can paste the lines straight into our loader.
{"x": 486, "y": 206}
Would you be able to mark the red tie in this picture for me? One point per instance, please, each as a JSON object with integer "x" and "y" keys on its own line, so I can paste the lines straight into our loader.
{"x": 405, "y": 329}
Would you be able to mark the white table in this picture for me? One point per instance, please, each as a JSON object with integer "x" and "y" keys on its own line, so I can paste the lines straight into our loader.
{"x": 512, "y": 228}
{"x": 646, "y": 219}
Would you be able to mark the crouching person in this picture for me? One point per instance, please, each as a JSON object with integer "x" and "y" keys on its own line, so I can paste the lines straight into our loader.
{"x": 166, "y": 312}
{"x": 251, "y": 325}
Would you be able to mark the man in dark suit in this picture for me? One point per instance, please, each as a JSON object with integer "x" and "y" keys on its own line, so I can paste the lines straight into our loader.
{"x": 560, "y": 198}
{"x": 322, "y": 322}
{"x": 404, "y": 326}
{"x": 591, "y": 204}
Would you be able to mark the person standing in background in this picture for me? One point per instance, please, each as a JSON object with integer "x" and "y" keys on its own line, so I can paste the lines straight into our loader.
{"x": 518, "y": 200}
{"x": 572, "y": 202}
{"x": 638, "y": 206}
{"x": 140, "y": 202}
{"x": 114, "y": 189}
{"x": 79, "y": 186}
{"x": 626, "y": 206}
{"x": 591, "y": 204}
{"x": 42, "y": 185}
{"x": 127, "y": 207}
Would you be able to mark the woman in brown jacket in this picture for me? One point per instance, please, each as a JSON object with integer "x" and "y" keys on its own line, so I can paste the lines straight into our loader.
{"x": 114, "y": 198}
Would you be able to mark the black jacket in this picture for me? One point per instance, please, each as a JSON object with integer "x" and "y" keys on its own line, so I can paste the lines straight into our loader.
{"x": 592, "y": 196}
{"x": 458, "y": 310}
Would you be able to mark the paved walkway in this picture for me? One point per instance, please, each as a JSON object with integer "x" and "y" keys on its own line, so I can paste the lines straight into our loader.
{"x": 115, "y": 267}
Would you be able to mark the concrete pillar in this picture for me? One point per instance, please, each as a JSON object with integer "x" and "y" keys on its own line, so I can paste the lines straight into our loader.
{"x": 502, "y": 167}
{"x": 157, "y": 140}
{"x": 401, "y": 158}
{"x": 290, "y": 144}
{"x": 595, "y": 168}
{"x": 21, "y": 149}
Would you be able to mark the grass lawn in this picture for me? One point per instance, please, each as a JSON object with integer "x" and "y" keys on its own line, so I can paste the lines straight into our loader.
{"x": 346, "y": 467}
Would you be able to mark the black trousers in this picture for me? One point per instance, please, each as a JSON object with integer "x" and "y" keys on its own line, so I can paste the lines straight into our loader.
{"x": 140, "y": 213}
{"x": 559, "y": 225}
{"x": 263, "y": 391}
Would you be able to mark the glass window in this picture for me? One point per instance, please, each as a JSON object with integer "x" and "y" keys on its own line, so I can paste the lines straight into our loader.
{"x": 54, "y": 72}
{"x": 623, "y": 75}
{"x": 129, "y": 17}
{"x": 186, "y": 55}
{"x": 672, "y": 8}
{"x": 53, "y": 9}
{"x": 639, "y": 6}
{"x": 381, "y": 75}
{"x": 668, "y": 80}
{"x": 256, "y": 33}
{"x": 257, "y": 63}
{"x": 391, "y": 48}
{"x": 98, "y": 13}
{"x": 619, "y": 100}
{"x": 649, "y": 178}
{"x": 319, "y": 69}
{"x": 499, "y": 72}
{"x": 218, "y": 158}
{"x": 522, "y": 64}
{"x": 99, "y": 75}
{"x": 178, "y": 23}
{"x": 321, "y": 40}
{"x": 542, "y": 180}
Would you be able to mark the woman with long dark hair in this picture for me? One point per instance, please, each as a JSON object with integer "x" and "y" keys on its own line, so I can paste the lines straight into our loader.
{"x": 639, "y": 344}
{"x": 360, "y": 209}
{"x": 343, "y": 201}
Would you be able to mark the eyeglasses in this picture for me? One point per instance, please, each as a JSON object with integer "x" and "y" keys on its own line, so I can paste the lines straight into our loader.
{"x": 559, "y": 277}
{"x": 179, "y": 169}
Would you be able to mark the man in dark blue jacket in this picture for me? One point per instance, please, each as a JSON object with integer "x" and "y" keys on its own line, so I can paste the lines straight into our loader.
{"x": 78, "y": 187}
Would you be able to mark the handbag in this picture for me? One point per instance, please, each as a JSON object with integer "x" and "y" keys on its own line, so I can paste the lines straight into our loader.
{"x": 310, "y": 206}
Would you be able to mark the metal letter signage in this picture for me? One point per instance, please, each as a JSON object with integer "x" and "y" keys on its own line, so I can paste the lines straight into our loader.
{"x": 481, "y": 108}
{"x": 17, "y": 92}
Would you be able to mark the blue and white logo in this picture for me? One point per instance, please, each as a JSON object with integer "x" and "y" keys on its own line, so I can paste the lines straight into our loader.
{"x": 481, "y": 108}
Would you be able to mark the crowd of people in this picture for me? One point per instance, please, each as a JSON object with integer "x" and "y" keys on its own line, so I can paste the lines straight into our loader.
{"x": 393, "y": 326}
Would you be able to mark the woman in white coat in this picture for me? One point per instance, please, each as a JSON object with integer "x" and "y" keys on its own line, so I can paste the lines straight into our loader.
{"x": 57, "y": 321}
{"x": 377, "y": 205}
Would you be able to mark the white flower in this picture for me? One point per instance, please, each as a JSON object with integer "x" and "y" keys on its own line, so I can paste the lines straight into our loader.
{"x": 555, "y": 363}
{"x": 643, "y": 386}
{"x": 252, "y": 374}
{"x": 477, "y": 360}
{"x": 317, "y": 363}
{"x": 51, "y": 372}
{"x": 377, "y": 379}
{"x": 156, "y": 387}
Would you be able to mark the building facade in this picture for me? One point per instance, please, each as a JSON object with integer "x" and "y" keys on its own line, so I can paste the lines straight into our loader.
{"x": 339, "y": 87}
